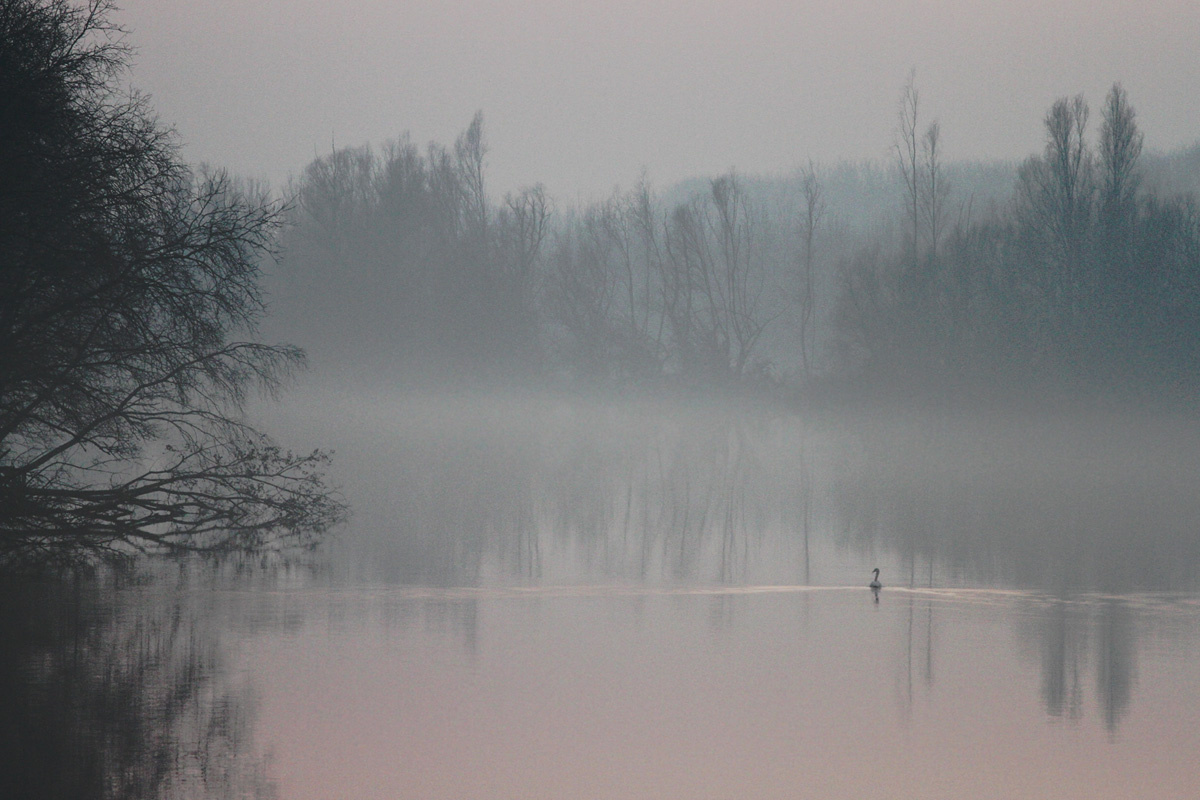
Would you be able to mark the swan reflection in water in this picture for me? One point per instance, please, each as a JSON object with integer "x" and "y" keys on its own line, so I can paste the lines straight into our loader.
{"x": 875, "y": 584}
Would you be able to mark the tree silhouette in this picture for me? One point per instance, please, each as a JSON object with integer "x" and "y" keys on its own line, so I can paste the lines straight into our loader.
{"x": 126, "y": 280}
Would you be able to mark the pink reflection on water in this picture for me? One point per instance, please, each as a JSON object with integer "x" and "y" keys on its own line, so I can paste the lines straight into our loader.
{"x": 774, "y": 693}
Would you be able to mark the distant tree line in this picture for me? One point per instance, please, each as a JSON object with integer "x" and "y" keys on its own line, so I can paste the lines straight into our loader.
{"x": 639, "y": 291}
{"x": 1084, "y": 278}
{"x": 1076, "y": 273}
{"x": 398, "y": 258}
{"x": 400, "y": 252}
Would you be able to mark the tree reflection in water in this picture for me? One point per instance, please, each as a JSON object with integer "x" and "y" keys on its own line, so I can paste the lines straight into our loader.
{"x": 598, "y": 496}
{"x": 118, "y": 694}
{"x": 1085, "y": 515}
{"x": 1078, "y": 637}
{"x": 1071, "y": 509}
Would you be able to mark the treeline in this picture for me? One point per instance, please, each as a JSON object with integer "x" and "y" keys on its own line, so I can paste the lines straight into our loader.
{"x": 1069, "y": 268}
{"x": 399, "y": 262}
{"x": 1085, "y": 278}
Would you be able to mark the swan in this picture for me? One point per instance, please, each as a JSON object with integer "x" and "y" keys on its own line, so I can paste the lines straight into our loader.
{"x": 875, "y": 584}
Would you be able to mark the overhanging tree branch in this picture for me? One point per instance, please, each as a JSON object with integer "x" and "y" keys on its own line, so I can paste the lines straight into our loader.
{"x": 128, "y": 295}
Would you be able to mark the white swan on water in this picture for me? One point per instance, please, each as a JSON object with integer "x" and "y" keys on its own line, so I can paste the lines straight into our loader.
{"x": 875, "y": 584}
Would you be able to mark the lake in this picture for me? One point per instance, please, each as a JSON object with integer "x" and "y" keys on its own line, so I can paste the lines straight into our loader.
{"x": 545, "y": 598}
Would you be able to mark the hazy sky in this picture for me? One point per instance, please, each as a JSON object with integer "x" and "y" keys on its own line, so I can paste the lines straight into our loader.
{"x": 582, "y": 96}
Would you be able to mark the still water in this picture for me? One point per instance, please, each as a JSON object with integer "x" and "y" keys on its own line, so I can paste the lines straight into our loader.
{"x": 551, "y": 600}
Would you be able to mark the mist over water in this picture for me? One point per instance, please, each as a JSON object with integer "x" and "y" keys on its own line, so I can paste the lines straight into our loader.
{"x": 541, "y": 595}
{"x": 510, "y": 487}
{"x": 866, "y": 478}
{"x": 676, "y": 594}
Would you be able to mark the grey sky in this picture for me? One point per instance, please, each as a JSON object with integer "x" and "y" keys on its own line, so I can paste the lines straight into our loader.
{"x": 581, "y": 97}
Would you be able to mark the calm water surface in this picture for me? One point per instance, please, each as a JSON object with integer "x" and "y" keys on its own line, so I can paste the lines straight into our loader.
{"x": 749, "y": 692}
{"x": 554, "y": 601}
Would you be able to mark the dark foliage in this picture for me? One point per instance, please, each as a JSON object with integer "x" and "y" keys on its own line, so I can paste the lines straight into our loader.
{"x": 125, "y": 279}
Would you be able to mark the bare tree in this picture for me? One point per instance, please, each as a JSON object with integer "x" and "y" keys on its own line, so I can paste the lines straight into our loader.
{"x": 1056, "y": 198}
{"x": 127, "y": 281}
{"x": 630, "y": 221}
{"x": 714, "y": 280}
{"x": 470, "y": 151}
{"x": 812, "y": 195}
{"x": 919, "y": 158}
{"x": 584, "y": 295}
{"x": 337, "y": 192}
{"x": 521, "y": 230}
{"x": 866, "y": 311}
{"x": 608, "y": 272}
{"x": 1120, "y": 147}
{"x": 934, "y": 190}
{"x": 908, "y": 153}
{"x": 527, "y": 213}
